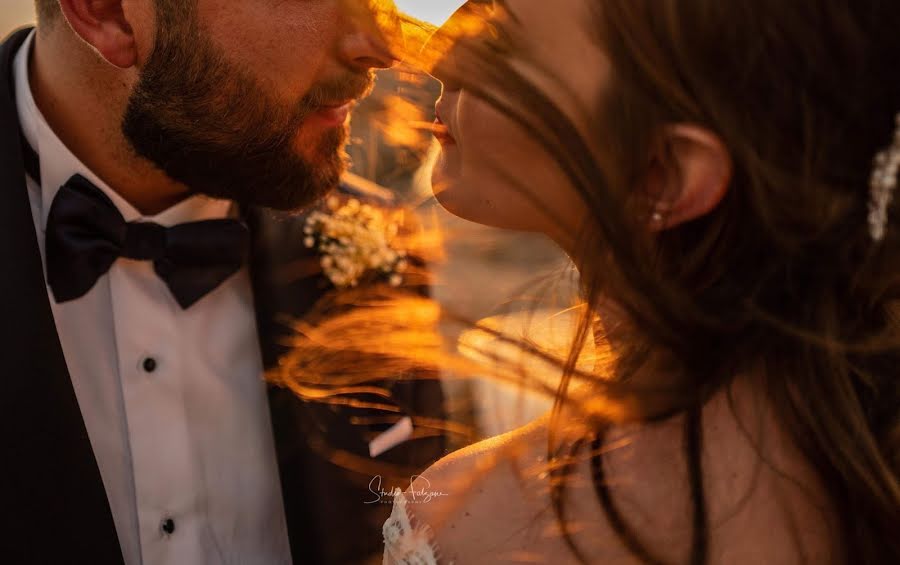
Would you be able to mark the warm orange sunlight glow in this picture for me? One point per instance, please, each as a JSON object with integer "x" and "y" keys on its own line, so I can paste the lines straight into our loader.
{"x": 432, "y": 11}
{"x": 425, "y": 44}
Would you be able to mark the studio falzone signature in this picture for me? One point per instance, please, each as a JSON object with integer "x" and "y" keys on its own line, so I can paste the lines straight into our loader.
{"x": 419, "y": 491}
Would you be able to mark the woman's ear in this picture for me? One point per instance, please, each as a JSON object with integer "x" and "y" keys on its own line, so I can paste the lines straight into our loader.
{"x": 103, "y": 25}
{"x": 689, "y": 175}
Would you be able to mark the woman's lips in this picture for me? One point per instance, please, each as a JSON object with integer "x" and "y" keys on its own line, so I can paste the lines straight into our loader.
{"x": 442, "y": 132}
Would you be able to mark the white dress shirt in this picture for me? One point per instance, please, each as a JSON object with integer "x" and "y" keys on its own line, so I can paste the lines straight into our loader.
{"x": 173, "y": 400}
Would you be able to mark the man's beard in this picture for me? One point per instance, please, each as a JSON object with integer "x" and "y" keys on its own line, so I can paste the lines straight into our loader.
{"x": 211, "y": 126}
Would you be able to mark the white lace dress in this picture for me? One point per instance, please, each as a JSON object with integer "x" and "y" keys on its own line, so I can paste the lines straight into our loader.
{"x": 406, "y": 542}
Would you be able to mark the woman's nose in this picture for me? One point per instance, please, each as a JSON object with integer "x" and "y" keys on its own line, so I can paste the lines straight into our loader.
{"x": 445, "y": 64}
{"x": 445, "y": 72}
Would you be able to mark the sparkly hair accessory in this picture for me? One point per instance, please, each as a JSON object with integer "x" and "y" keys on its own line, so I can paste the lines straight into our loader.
{"x": 883, "y": 184}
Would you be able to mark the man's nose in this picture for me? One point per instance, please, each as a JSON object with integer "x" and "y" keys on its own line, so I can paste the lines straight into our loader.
{"x": 363, "y": 52}
{"x": 372, "y": 36}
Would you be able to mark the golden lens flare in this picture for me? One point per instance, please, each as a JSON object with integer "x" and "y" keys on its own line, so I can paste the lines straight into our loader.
{"x": 420, "y": 43}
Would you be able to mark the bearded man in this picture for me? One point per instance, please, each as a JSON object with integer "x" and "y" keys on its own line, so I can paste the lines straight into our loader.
{"x": 143, "y": 147}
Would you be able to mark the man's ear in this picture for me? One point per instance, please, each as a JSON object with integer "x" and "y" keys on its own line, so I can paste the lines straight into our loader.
{"x": 103, "y": 25}
{"x": 689, "y": 175}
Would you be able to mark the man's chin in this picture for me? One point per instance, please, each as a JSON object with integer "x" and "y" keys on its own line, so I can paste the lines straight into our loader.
{"x": 286, "y": 177}
{"x": 297, "y": 195}
{"x": 316, "y": 144}
{"x": 322, "y": 179}
{"x": 289, "y": 184}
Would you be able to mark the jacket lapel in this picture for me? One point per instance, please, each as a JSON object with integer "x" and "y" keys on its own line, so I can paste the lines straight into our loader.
{"x": 55, "y": 505}
{"x": 273, "y": 234}
{"x": 328, "y": 517}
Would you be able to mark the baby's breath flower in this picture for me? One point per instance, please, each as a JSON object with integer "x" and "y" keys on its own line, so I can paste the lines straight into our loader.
{"x": 355, "y": 238}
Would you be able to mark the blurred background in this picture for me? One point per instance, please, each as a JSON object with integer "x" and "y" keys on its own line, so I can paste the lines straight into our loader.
{"x": 15, "y": 13}
{"x": 486, "y": 273}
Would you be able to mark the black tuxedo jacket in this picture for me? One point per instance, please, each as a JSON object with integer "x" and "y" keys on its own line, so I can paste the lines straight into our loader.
{"x": 53, "y": 507}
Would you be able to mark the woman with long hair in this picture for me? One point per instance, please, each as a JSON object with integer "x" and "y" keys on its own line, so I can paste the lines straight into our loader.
{"x": 722, "y": 175}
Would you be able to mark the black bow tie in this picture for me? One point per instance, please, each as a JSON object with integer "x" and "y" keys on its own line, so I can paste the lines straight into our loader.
{"x": 86, "y": 234}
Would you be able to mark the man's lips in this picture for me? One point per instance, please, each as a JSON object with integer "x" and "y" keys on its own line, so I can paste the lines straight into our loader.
{"x": 334, "y": 114}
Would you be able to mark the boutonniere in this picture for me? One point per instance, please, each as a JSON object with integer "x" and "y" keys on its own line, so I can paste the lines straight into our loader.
{"x": 356, "y": 240}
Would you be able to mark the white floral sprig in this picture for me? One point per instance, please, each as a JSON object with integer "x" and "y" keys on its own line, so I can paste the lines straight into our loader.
{"x": 355, "y": 239}
{"x": 883, "y": 184}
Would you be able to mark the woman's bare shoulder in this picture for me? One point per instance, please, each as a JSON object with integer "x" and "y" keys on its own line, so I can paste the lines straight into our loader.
{"x": 518, "y": 445}
{"x": 490, "y": 500}
{"x": 494, "y": 503}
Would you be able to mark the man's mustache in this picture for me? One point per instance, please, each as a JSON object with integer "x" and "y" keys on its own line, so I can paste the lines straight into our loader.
{"x": 337, "y": 91}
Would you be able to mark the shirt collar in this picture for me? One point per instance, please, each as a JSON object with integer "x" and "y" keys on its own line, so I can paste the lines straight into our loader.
{"x": 59, "y": 164}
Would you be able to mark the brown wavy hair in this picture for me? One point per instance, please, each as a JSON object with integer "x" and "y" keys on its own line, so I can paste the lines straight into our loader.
{"x": 782, "y": 280}
{"x": 782, "y": 277}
